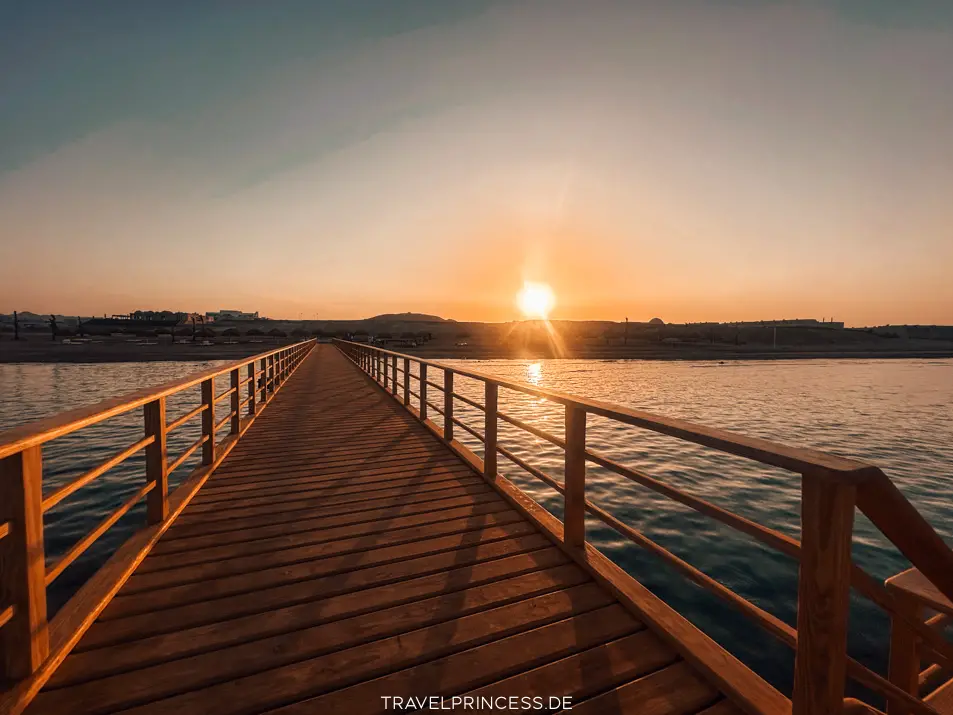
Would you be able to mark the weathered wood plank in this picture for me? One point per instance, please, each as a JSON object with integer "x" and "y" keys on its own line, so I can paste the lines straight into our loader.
{"x": 460, "y": 672}
{"x": 589, "y": 673}
{"x": 306, "y": 641}
{"x": 483, "y": 515}
{"x": 200, "y": 573}
{"x": 128, "y": 603}
{"x": 232, "y": 621}
{"x": 311, "y": 677}
{"x": 675, "y": 690}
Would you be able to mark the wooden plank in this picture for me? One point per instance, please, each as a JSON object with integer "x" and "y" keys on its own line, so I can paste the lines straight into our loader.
{"x": 401, "y": 465}
{"x": 461, "y": 672}
{"x": 725, "y": 707}
{"x": 300, "y": 535}
{"x": 337, "y": 504}
{"x": 147, "y": 581}
{"x": 147, "y": 684}
{"x": 827, "y": 517}
{"x": 24, "y": 640}
{"x": 675, "y": 690}
{"x": 353, "y": 512}
{"x": 129, "y": 602}
{"x": 257, "y": 530}
{"x": 271, "y": 688}
{"x": 919, "y": 587}
{"x": 589, "y": 673}
{"x": 232, "y": 621}
{"x": 403, "y": 486}
{"x": 270, "y": 495}
{"x": 126, "y": 622}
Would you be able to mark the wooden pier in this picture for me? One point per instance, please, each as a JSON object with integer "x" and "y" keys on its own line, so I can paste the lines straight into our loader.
{"x": 341, "y": 548}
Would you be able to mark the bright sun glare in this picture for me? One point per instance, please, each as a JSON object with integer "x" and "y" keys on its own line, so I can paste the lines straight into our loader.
{"x": 536, "y": 300}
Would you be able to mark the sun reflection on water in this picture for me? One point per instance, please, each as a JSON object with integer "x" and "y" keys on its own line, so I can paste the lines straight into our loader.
{"x": 534, "y": 373}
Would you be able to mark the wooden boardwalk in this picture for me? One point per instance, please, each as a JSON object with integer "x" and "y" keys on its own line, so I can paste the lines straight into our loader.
{"x": 342, "y": 553}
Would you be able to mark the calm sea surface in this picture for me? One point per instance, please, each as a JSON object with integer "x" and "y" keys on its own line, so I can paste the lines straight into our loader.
{"x": 897, "y": 414}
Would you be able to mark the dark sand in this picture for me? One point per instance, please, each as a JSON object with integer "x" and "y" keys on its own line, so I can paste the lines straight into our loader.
{"x": 46, "y": 351}
{"x": 36, "y": 350}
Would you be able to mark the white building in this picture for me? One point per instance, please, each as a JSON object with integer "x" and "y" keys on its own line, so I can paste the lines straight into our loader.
{"x": 231, "y": 315}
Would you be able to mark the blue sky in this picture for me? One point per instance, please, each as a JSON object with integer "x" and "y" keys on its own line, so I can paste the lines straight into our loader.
{"x": 695, "y": 160}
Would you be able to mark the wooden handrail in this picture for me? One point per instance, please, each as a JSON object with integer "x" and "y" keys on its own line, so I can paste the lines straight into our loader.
{"x": 60, "y": 494}
{"x": 468, "y": 401}
{"x": 79, "y": 548}
{"x": 36, "y": 433}
{"x": 187, "y": 453}
{"x": 832, "y": 487}
{"x": 178, "y": 422}
{"x": 27, "y": 641}
{"x": 794, "y": 459}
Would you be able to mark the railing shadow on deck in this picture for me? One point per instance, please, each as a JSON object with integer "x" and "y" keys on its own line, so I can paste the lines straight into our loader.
{"x": 32, "y": 648}
{"x": 832, "y": 488}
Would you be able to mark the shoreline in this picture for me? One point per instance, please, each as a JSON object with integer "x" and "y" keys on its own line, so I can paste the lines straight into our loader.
{"x": 107, "y": 352}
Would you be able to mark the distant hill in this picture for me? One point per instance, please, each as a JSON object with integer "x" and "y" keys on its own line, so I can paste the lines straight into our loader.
{"x": 411, "y": 318}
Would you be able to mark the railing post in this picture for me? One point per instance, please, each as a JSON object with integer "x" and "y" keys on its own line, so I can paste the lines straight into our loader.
{"x": 423, "y": 391}
{"x": 448, "y": 405}
{"x": 384, "y": 366}
{"x": 490, "y": 404}
{"x": 251, "y": 387}
{"x": 271, "y": 376}
{"x": 406, "y": 381}
{"x": 24, "y": 640}
{"x": 157, "y": 461}
{"x": 377, "y": 366}
{"x": 393, "y": 375}
{"x": 904, "y": 669}
{"x": 820, "y": 665}
{"x": 574, "y": 517}
{"x": 208, "y": 421}
{"x": 263, "y": 364}
{"x": 236, "y": 421}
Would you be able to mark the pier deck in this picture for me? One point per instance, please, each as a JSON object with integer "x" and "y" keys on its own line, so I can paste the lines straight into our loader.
{"x": 342, "y": 553}
{"x": 338, "y": 550}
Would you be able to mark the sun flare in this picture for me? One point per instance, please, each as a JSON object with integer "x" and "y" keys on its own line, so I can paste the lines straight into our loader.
{"x": 536, "y": 300}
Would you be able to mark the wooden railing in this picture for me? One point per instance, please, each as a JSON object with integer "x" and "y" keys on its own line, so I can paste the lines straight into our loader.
{"x": 832, "y": 488}
{"x": 30, "y": 646}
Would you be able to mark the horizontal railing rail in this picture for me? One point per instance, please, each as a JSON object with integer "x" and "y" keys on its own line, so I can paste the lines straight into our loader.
{"x": 832, "y": 487}
{"x": 30, "y": 647}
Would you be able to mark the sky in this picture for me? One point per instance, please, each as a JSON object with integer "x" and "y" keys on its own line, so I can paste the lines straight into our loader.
{"x": 690, "y": 160}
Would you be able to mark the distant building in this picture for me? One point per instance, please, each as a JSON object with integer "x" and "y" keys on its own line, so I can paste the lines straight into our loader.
{"x": 231, "y": 315}
{"x": 656, "y": 321}
{"x": 794, "y": 323}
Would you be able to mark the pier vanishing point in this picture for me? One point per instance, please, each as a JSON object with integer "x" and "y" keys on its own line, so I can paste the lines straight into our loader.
{"x": 338, "y": 545}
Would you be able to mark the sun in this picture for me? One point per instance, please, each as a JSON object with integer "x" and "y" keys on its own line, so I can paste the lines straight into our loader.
{"x": 536, "y": 300}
